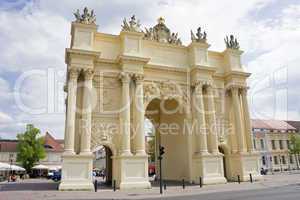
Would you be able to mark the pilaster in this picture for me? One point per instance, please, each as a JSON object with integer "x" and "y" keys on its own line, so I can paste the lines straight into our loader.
{"x": 71, "y": 110}
{"x": 86, "y": 124}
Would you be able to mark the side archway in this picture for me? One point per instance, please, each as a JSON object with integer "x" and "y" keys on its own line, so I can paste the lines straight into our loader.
{"x": 223, "y": 149}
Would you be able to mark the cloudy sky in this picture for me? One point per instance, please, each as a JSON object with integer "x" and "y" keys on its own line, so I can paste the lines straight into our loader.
{"x": 34, "y": 35}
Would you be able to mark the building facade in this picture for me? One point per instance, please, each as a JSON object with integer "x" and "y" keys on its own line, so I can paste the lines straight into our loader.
{"x": 195, "y": 97}
{"x": 271, "y": 138}
{"x": 53, "y": 148}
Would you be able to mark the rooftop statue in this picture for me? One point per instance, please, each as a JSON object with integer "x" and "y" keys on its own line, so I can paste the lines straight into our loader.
{"x": 133, "y": 25}
{"x": 86, "y": 18}
{"x": 231, "y": 43}
{"x": 200, "y": 37}
{"x": 161, "y": 33}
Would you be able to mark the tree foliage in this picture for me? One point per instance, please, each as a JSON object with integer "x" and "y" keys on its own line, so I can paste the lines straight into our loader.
{"x": 30, "y": 147}
{"x": 294, "y": 147}
{"x": 151, "y": 149}
{"x": 295, "y": 144}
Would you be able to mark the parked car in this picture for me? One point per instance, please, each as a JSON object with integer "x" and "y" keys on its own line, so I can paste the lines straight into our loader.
{"x": 56, "y": 176}
{"x": 50, "y": 174}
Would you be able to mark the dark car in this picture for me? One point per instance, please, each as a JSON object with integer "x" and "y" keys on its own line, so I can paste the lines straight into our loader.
{"x": 56, "y": 176}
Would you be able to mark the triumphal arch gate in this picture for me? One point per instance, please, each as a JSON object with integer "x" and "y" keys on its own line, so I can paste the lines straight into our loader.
{"x": 196, "y": 100}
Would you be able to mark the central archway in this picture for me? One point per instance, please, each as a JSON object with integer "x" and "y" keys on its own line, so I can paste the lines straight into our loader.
{"x": 167, "y": 117}
{"x": 103, "y": 165}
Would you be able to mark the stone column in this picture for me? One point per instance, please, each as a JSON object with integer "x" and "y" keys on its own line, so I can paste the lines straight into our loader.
{"x": 125, "y": 115}
{"x": 140, "y": 115}
{"x": 212, "y": 120}
{"x": 200, "y": 119}
{"x": 247, "y": 120}
{"x": 71, "y": 110}
{"x": 86, "y": 123}
{"x": 238, "y": 119}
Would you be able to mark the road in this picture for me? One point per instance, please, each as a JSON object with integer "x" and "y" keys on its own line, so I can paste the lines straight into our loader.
{"x": 290, "y": 192}
{"x": 275, "y": 187}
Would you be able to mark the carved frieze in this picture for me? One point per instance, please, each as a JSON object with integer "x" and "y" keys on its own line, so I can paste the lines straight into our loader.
{"x": 161, "y": 33}
{"x": 165, "y": 90}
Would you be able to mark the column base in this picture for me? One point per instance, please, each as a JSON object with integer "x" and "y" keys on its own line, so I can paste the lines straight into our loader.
{"x": 141, "y": 153}
{"x": 244, "y": 164}
{"x": 126, "y": 153}
{"x": 77, "y": 173}
{"x": 209, "y": 167}
{"x": 133, "y": 172}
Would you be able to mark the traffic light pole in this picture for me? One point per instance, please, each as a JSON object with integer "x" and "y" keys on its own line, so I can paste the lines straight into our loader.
{"x": 161, "y": 152}
{"x": 160, "y": 176}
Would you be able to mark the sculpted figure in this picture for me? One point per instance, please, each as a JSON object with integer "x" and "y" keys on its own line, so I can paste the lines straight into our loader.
{"x": 77, "y": 15}
{"x": 161, "y": 33}
{"x": 200, "y": 37}
{"x": 133, "y": 25}
{"x": 86, "y": 17}
{"x": 231, "y": 42}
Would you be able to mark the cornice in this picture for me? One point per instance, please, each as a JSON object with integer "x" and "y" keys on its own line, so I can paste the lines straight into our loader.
{"x": 237, "y": 74}
{"x": 70, "y": 52}
{"x": 123, "y": 59}
{"x": 208, "y": 69}
{"x": 203, "y": 45}
{"x": 233, "y": 52}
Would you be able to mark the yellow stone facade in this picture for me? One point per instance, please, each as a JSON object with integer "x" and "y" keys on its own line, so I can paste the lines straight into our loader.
{"x": 196, "y": 98}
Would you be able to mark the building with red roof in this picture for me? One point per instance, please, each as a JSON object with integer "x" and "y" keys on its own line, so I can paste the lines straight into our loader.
{"x": 272, "y": 139}
{"x": 53, "y": 148}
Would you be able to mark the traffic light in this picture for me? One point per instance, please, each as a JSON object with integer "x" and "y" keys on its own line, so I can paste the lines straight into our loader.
{"x": 161, "y": 150}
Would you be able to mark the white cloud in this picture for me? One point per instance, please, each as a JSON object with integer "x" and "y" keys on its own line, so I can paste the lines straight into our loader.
{"x": 5, "y": 118}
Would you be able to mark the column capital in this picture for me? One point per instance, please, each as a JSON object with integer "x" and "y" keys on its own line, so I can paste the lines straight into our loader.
{"x": 88, "y": 74}
{"x": 73, "y": 73}
{"x": 125, "y": 77}
{"x": 244, "y": 90}
{"x": 139, "y": 78}
{"x": 202, "y": 83}
{"x": 237, "y": 87}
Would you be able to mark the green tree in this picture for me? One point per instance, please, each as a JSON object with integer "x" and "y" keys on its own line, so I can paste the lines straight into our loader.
{"x": 294, "y": 147}
{"x": 30, "y": 147}
{"x": 151, "y": 148}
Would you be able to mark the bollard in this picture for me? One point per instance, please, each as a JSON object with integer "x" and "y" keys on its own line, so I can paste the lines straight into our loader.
{"x": 96, "y": 185}
{"x": 200, "y": 181}
{"x": 239, "y": 180}
{"x": 165, "y": 186}
{"x": 251, "y": 180}
{"x": 183, "y": 184}
{"x": 114, "y": 185}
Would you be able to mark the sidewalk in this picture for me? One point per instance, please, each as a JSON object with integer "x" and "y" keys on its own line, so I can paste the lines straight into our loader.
{"x": 172, "y": 191}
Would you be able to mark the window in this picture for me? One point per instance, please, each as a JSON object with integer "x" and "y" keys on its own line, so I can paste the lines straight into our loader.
{"x": 254, "y": 143}
{"x": 275, "y": 160}
{"x": 263, "y": 160}
{"x": 262, "y": 144}
{"x": 283, "y": 160}
{"x": 280, "y": 144}
{"x": 291, "y": 159}
{"x": 273, "y": 144}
